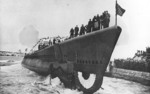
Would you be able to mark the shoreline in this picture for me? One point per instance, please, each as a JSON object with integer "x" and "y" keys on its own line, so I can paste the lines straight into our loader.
{"x": 130, "y": 75}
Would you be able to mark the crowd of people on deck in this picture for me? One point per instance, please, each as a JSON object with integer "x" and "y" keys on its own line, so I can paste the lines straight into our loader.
{"x": 98, "y": 22}
{"x": 45, "y": 42}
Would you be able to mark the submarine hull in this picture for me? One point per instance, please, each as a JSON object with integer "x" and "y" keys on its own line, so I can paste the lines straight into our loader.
{"x": 88, "y": 54}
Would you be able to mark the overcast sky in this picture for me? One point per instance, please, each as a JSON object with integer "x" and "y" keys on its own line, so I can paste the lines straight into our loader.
{"x": 55, "y": 17}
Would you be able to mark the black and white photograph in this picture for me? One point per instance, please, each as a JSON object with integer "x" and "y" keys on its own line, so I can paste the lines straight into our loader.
{"x": 74, "y": 47}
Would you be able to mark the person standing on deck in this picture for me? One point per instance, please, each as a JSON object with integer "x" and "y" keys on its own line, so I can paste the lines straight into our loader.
{"x": 71, "y": 33}
{"x": 89, "y": 26}
{"x": 82, "y": 30}
{"x": 54, "y": 41}
{"x": 76, "y": 29}
{"x": 98, "y": 19}
{"x": 106, "y": 19}
{"x": 93, "y": 23}
{"x": 101, "y": 21}
{"x": 50, "y": 42}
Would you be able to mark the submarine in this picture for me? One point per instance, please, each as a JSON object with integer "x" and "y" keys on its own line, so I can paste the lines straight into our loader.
{"x": 86, "y": 54}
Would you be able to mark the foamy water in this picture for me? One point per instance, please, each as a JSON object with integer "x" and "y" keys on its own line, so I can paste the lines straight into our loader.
{"x": 4, "y": 60}
{"x": 15, "y": 79}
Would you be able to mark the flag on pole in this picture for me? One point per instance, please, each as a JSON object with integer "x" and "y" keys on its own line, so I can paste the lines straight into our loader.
{"x": 119, "y": 10}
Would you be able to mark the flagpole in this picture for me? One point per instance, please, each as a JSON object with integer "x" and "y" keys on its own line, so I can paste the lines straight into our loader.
{"x": 116, "y": 14}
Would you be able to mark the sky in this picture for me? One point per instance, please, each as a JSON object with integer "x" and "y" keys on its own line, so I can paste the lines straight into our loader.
{"x": 23, "y": 22}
